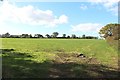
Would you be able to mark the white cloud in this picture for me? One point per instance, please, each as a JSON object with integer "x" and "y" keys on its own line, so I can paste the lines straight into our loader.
{"x": 110, "y": 5}
{"x": 86, "y": 27}
{"x": 102, "y": 1}
{"x": 29, "y": 15}
{"x": 63, "y": 19}
{"x": 83, "y": 7}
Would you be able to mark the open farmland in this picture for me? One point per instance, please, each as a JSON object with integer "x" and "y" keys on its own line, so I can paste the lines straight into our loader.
{"x": 39, "y": 58}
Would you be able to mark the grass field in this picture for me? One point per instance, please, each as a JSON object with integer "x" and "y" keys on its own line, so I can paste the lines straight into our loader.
{"x": 37, "y": 58}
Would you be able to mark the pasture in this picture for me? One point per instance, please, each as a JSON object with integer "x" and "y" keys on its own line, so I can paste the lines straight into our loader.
{"x": 56, "y": 58}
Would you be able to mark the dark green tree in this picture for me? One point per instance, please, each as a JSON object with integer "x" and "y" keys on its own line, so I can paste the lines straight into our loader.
{"x": 7, "y": 35}
{"x": 30, "y": 35}
{"x": 64, "y": 35}
{"x": 24, "y": 36}
{"x": 73, "y": 36}
{"x": 47, "y": 35}
{"x": 83, "y": 36}
{"x": 68, "y": 36}
{"x": 38, "y": 36}
{"x": 55, "y": 34}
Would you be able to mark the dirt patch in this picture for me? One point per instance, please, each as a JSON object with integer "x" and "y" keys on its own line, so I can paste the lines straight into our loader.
{"x": 73, "y": 58}
{"x": 69, "y": 65}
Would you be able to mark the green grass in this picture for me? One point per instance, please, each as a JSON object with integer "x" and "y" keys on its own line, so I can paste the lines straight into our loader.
{"x": 39, "y": 57}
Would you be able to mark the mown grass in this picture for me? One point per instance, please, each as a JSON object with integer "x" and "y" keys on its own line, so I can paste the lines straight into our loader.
{"x": 41, "y": 58}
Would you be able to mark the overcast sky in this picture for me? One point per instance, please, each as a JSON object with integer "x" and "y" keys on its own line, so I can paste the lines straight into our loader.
{"x": 64, "y": 17}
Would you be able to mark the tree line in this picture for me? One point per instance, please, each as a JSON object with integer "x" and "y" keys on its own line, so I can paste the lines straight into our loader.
{"x": 54, "y": 35}
{"x": 109, "y": 32}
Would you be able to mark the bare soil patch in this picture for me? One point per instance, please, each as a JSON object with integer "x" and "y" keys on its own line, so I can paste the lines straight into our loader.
{"x": 69, "y": 65}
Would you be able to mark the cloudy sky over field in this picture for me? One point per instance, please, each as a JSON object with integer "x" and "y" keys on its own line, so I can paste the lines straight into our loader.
{"x": 77, "y": 17}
